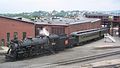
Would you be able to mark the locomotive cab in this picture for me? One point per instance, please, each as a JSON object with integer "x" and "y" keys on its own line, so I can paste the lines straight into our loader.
{"x": 58, "y": 42}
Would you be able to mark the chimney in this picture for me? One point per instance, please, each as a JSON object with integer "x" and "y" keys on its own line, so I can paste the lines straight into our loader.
{"x": 19, "y": 18}
{"x": 49, "y": 23}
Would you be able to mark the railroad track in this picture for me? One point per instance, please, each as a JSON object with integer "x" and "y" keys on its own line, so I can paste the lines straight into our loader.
{"x": 83, "y": 59}
{"x": 77, "y": 60}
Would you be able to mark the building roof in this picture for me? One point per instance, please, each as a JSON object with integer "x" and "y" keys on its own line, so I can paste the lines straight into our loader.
{"x": 115, "y": 14}
{"x": 97, "y": 14}
{"x": 50, "y": 23}
{"x": 66, "y": 21}
{"x": 84, "y": 31}
{"x": 58, "y": 21}
{"x": 24, "y": 21}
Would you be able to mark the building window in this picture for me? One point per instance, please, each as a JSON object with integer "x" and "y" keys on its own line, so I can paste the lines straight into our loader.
{"x": 8, "y": 37}
{"x": 116, "y": 16}
{"x": 2, "y": 42}
{"x": 115, "y": 19}
{"x": 24, "y": 35}
{"x": 15, "y": 35}
{"x": 58, "y": 30}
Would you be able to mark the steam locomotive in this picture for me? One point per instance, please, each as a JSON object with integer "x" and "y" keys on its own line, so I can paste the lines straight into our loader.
{"x": 36, "y": 46}
{"x": 50, "y": 44}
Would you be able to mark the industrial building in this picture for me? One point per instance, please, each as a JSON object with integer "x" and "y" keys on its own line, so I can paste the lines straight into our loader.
{"x": 14, "y": 28}
{"x": 67, "y": 26}
{"x": 109, "y": 20}
{"x": 11, "y": 28}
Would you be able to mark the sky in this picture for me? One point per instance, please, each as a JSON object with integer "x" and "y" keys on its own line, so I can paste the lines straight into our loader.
{"x": 18, "y": 6}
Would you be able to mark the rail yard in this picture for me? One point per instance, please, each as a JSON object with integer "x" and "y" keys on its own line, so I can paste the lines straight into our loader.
{"x": 60, "y": 34}
{"x": 76, "y": 56}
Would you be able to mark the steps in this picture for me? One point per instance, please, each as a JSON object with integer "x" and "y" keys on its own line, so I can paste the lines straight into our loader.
{"x": 108, "y": 36}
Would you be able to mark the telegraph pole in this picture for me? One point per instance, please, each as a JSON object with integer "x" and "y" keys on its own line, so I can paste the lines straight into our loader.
{"x": 119, "y": 29}
{"x": 111, "y": 24}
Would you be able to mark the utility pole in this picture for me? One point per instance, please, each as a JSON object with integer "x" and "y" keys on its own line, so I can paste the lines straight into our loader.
{"x": 119, "y": 29}
{"x": 111, "y": 24}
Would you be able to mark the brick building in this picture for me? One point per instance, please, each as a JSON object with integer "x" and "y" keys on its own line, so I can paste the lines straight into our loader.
{"x": 104, "y": 17}
{"x": 68, "y": 26}
{"x": 11, "y": 28}
{"x": 107, "y": 19}
{"x": 53, "y": 28}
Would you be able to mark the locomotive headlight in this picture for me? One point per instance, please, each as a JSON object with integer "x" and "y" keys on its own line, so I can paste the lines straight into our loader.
{"x": 66, "y": 42}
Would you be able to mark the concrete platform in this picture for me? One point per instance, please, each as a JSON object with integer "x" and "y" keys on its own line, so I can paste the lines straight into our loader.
{"x": 107, "y": 46}
{"x": 105, "y": 63}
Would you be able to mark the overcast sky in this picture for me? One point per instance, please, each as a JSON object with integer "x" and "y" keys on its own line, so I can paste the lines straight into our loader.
{"x": 15, "y": 6}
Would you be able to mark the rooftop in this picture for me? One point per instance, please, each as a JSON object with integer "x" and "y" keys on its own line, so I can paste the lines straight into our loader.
{"x": 97, "y": 14}
{"x": 17, "y": 19}
{"x": 101, "y": 14}
{"x": 115, "y": 14}
{"x": 66, "y": 21}
{"x": 55, "y": 21}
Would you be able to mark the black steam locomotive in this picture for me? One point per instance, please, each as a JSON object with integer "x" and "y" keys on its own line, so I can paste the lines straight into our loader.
{"x": 36, "y": 46}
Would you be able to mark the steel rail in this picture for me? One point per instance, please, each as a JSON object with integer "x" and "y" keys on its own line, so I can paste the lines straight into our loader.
{"x": 88, "y": 58}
